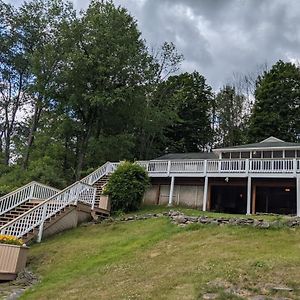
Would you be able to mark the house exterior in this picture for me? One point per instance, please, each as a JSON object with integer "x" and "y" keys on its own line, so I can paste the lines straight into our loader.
{"x": 262, "y": 177}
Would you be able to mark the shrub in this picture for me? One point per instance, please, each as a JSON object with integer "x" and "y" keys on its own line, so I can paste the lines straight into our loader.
{"x": 10, "y": 240}
{"x": 127, "y": 186}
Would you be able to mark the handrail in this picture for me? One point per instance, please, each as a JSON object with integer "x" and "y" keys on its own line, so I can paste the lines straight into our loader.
{"x": 97, "y": 174}
{"x": 274, "y": 165}
{"x": 32, "y": 190}
{"x": 38, "y": 214}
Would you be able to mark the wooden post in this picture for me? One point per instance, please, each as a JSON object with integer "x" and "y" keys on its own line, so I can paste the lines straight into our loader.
{"x": 254, "y": 199}
{"x": 171, "y": 191}
{"x": 298, "y": 196}
{"x": 205, "y": 192}
{"x": 208, "y": 205}
{"x": 249, "y": 196}
{"x": 157, "y": 194}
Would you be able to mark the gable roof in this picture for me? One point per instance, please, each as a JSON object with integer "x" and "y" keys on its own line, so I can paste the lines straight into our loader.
{"x": 191, "y": 155}
{"x": 269, "y": 143}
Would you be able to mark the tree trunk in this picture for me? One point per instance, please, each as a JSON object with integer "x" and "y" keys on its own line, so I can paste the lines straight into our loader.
{"x": 82, "y": 147}
{"x": 34, "y": 126}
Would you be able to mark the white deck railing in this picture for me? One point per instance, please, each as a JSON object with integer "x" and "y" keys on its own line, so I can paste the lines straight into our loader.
{"x": 219, "y": 166}
{"x": 32, "y": 190}
{"x": 36, "y": 216}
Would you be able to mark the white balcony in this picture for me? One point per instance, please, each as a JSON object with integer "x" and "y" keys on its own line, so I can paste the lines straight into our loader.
{"x": 223, "y": 168}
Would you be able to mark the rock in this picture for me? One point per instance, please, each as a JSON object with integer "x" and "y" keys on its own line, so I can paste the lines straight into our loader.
{"x": 180, "y": 219}
{"x": 282, "y": 289}
{"x": 203, "y": 220}
{"x": 263, "y": 225}
{"x": 210, "y": 296}
{"x": 191, "y": 219}
{"x": 174, "y": 213}
{"x": 257, "y": 297}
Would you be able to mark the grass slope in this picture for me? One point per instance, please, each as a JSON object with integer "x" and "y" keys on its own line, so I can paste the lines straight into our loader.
{"x": 154, "y": 259}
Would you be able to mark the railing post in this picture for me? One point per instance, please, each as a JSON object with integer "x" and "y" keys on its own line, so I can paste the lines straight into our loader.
{"x": 219, "y": 166}
{"x": 31, "y": 191}
{"x": 247, "y": 166}
{"x": 169, "y": 168}
{"x": 205, "y": 167}
{"x": 94, "y": 198}
{"x": 41, "y": 227}
{"x": 294, "y": 166}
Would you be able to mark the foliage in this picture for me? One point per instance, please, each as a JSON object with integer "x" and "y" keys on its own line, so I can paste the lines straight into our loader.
{"x": 193, "y": 97}
{"x": 10, "y": 240}
{"x": 127, "y": 186}
{"x": 230, "y": 117}
{"x": 277, "y": 107}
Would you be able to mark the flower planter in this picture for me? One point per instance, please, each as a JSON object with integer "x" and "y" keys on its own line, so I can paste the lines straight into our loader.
{"x": 12, "y": 260}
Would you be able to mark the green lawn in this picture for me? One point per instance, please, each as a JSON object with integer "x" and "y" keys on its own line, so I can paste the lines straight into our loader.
{"x": 154, "y": 259}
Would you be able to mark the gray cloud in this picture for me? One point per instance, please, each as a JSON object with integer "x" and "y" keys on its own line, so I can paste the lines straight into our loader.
{"x": 218, "y": 37}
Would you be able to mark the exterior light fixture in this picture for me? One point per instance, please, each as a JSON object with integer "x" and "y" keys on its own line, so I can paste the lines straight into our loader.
{"x": 287, "y": 189}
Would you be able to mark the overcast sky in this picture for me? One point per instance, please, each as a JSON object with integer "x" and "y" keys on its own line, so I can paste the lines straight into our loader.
{"x": 218, "y": 37}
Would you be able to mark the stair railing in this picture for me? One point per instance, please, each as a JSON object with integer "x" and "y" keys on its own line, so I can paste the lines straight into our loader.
{"x": 32, "y": 190}
{"x": 37, "y": 215}
{"x": 98, "y": 173}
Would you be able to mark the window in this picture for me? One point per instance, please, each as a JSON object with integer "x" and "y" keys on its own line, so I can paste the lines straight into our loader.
{"x": 226, "y": 155}
{"x": 235, "y": 154}
{"x": 256, "y": 154}
{"x": 245, "y": 154}
{"x": 277, "y": 154}
{"x": 289, "y": 153}
{"x": 267, "y": 154}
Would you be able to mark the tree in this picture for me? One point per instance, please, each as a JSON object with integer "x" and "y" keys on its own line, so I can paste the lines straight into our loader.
{"x": 277, "y": 108}
{"x": 14, "y": 78}
{"x": 103, "y": 91}
{"x": 127, "y": 186}
{"x": 230, "y": 117}
{"x": 192, "y": 132}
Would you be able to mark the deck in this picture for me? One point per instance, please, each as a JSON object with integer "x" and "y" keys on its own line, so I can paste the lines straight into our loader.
{"x": 274, "y": 168}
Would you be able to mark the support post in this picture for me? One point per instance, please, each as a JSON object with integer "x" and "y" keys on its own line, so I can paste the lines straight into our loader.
{"x": 249, "y": 196}
{"x": 41, "y": 227}
{"x": 171, "y": 191}
{"x": 205, "y": 193}
{"x": 298, "y": 196}
{"x": 94, "y": 198}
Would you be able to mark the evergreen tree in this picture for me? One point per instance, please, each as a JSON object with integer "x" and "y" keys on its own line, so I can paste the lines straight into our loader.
{"x": 277, "y": 107}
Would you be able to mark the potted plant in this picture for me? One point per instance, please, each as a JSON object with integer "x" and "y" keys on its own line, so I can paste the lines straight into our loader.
{"x": 13, "y": 255}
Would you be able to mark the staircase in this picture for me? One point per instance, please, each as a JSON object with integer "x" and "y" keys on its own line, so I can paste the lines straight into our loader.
{"x": 99, "y": 185}
{"x": 16, "y": 212}
{"x": 28, "y": 211}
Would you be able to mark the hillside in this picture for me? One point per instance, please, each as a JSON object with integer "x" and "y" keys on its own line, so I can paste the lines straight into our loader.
{"x": 155, "y": 259}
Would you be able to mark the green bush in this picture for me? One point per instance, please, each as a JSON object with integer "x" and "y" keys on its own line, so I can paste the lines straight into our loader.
{"x": 127, "y": 186}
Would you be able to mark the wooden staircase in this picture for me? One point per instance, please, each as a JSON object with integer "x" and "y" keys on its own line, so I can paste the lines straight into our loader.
{"x": 31, "y": 210}
{"x": 99, "y": 210}
{"x": 17, "y": 211}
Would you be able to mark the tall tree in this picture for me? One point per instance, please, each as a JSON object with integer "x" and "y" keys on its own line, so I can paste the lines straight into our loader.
{"x": 230, "y": 117}
{"x": 192, "y": 131}
{"x": 14, "y": 78}
{"x": 103, "y": 90}
{"x": 39, "y": 24}
{"x": 277, "y": 108}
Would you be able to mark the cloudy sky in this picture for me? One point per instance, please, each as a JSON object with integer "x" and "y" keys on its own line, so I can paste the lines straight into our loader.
{"x": 218, "y": 37}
